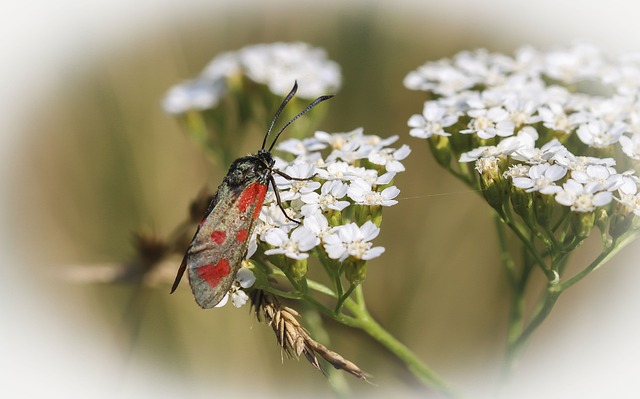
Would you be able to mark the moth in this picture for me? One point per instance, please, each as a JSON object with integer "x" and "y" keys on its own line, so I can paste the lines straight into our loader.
{"x": 222, "y": 238}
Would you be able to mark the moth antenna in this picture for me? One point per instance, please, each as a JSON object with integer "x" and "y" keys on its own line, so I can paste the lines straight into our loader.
{"x": 275, "y": 117}
{"x": 304, "y": 111}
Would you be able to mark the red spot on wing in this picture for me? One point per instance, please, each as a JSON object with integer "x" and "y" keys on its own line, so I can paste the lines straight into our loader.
{"x": 242, "y": 235}
{"x": 213, "y": 274}
{"x": 262, "y": 191}
{"x": 218, "y": 236}
{"x": 252, "y": 194}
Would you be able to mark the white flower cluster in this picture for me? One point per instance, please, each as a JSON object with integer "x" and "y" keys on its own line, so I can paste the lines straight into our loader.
{"x": 275, "y": 65}
{"x": 358, "y": 170}
{"x": 532, "y": 108}
{"x": 579, "y": 182}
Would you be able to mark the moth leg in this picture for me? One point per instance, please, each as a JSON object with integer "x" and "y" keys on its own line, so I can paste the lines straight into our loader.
{"x": 286, "y": 176}
{"x": 278, "y": 201}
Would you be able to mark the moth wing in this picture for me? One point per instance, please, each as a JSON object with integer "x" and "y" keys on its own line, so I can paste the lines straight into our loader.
{"x": 183, "y": 264}
{"x": 220, "y": 244}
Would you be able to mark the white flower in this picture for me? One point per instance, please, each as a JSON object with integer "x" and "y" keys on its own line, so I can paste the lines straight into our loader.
{"x": 271, "y": 216}
{"x": 329, "y": 197}
{"x": 292, "y": 189}
{"x": 599, "y": 134}
{"x": 582, "y": 198}
{"x": 300, "y": 147}
{"x": 631, "y": 145}
{"x": 222, "y": 66}
{"x": 433, "y": 120}
{"x": 517, "y": 170}
{"x": 488, "y": 123}
{"x": 301, "y": 240}
{"x": 542, "y": 178}
{"x": 384, "y": 178}
{"x": 244, "y": 279}
{"x": 605, "y": 176}
{"x": 631, "y": 202}
{"x": 482, "y": 152}
{"x": 278, "y": 64}
{"x": 533, "y": 155}
{"x": 351, "y": 240}
{"x": 488, "y": 165}
{"x": 439, "y": 77}
{"x": 524, "y": 140}
{"x": 350, "y": 152}
{"x": 335, "y": 170}
{"x": 363, "y": 194}
{"x": 630, "y": 183}
{"x": 252, "y": 247}
{"x": 340, "y": 170}
{"x": 337, "y": 140}
{"x": 317, "y": 223}
{"x": 522, "y": 111}
{"x": 390, "y": 158}
{"x": 476, "y": 63}
{"x": 624, "y": 75}
{"x": 572, "y": 162}
{"x": 553, "y": 116}
{"x": 197, "y": 94}
{"x": 572, "y": 64}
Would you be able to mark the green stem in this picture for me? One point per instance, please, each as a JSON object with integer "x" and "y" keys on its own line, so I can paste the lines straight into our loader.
{"x": 530, "y": 246}
{"x": 516, "y": 348}
{"x": 517, "y": 285}
{"x": 344, "y": 297}
{"x": 554, "y": 290}
{"x": 360, "y": 318}
{"x": 613, "y": 249}
{"x": 420, "y": 370}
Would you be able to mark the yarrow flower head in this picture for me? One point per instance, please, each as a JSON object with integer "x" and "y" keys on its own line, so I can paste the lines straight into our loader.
{"x": 346, "y": 183}
{"x": 562, "y": 127}
{"x": 551, "y": 141}
{"x": 275, "y": 65}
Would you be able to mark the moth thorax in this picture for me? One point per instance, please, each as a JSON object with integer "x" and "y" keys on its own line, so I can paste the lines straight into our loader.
{"x": 266, "y": 157}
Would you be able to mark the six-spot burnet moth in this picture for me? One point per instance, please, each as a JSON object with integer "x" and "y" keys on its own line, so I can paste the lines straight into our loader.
{"x": 222, "y": 238}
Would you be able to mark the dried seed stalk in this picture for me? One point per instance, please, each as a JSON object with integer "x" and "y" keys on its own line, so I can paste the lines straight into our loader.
{"x": 293, "y": 338}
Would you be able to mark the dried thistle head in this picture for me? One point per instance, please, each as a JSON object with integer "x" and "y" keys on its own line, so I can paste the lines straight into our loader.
{"x": 293, "y": 338}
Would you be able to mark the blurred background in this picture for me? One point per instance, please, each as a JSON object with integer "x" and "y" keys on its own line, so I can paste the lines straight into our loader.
{"x": 88, "y": 157}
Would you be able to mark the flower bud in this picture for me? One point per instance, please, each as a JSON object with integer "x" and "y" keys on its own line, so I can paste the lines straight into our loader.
{"x": 355, "y": 270}
{"x": 543, "y": 208}
{"x": 621, "y": 220}
{"x": 520, "y": 201}
{"x": 299, "y": 269}
{"x": 492, "y": 183}
{"x": 440, "y": 149}
{"x": 582, "y": 223}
